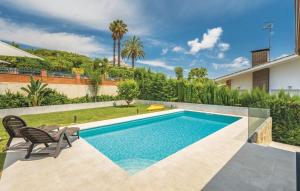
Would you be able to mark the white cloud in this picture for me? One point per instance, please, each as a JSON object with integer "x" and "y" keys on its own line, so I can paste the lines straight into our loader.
{"x": 197, "y": 63}
{"x": 178, "y": 49}
{"x": 221, "y": 55}
{"x": 223, "y": 47}
{"x": 37, "y": 37}
{"x": 157, "y": 63}
{"x": 236, "y": 64}
{"x": 152, "y": 42}
{"x": 208, "y": 41}
{"x": 164, "y": 51}
{"x": 95, "y": 14}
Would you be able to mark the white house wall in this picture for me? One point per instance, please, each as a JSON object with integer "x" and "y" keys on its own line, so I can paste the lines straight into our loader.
{"x": 284, "y": 75}
{"x": 242, "y": 82}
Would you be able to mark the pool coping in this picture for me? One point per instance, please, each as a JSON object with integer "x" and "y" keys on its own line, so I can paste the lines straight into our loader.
{"x": 104, "y": 123}
{"x": 98, "y": 124}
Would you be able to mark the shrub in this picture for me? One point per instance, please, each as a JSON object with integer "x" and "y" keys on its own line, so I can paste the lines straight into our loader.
{"x": 120, "y": 73}
{"x": 52, "y": 97}
{"x": 13, "y": 100}
{"x": 35, "y": 91}
{"x": 128, "y": 90}
{"x": 284, "y": 109}
{"x": 84, "y": 99}
{"x": 88, "y": 99}
{"x": 107, "y": 98}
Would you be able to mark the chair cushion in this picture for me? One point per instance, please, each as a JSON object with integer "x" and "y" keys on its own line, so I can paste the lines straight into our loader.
{"x": 72, "y": 130}
{"x": 49, "y": 127}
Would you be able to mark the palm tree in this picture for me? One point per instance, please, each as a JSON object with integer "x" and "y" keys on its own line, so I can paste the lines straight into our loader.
{"x": 35, "y": 90}
{"x": 112, "y": 28}
{"x": 94, "y": 73}
{"x": 120, "y": 30}
{"x": 133, "y": 49}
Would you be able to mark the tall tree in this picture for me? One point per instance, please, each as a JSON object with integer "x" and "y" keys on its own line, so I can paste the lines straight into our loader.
{"x": 179, "y": 73}
{"x": 198, "y": 74}
{"x": 112, "y": 28}
{"x": 133, "y": 49}
{"x": 120, "y": 30}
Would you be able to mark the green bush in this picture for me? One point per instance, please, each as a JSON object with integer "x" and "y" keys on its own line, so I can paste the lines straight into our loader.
{"x": 13, "y": 100}
{"x": 52, "y": 97}
{"x": 88, "y": 99}
{"x": 107, "y": 98}
{"x": 284, "y": 109}
{"x": 84, "y": 99}
{"x": 120, "y": 73}
{"x": 128, "y": 90}
{"x": 35, "y": 91}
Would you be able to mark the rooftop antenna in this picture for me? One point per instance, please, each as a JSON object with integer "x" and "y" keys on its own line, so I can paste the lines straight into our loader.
{"x": 268, "y": 26}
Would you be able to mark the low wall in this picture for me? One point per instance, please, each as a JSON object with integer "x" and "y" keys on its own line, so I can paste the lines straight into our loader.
{"x": 23, "y": 78}
{"x": 229, "y": 110}
{"x": 71, "y": 87}
{"x": 57, "y": 108}
{"x": 263, "y": 134}
{"x": 70, "y": 90}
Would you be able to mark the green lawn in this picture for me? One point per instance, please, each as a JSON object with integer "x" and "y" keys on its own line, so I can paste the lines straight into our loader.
{"x": 67, "y": 118}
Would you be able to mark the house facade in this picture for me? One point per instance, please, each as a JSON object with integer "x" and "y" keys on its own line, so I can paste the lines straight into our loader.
{"x": 273, "y": 76}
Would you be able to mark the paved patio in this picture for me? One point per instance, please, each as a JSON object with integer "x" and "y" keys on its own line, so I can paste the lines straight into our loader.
{"x": 257, "y": 168}
{"x": 82, "y": 167}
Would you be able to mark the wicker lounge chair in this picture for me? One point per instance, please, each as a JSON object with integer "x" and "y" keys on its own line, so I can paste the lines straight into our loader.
{"x": 13, "y": 124}
{"x": 73, "y": 131}
{"x": 39, "y": 136}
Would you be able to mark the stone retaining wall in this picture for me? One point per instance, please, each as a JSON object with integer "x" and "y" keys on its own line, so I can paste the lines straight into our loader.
{"x": 263, "y": 134}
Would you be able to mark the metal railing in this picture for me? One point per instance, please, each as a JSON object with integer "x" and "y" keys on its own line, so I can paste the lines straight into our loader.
{"x": 29, "y": 71}
{"x": 26, "y": 71}
{"x": 8, "y": 70}
{"x": 292, "y": 92}
{"x": 60, "y": 74}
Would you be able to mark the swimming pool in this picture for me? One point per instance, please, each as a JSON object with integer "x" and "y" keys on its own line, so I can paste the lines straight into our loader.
{"x": 137, "y": 144}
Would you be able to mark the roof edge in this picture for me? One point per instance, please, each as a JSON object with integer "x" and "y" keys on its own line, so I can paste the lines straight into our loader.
{"x": 261, "y": 66}
{"x": 259, "y": 50}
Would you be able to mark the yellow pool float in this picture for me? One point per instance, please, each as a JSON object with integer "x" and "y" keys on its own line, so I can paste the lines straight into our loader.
{"x": 155, "y": 107}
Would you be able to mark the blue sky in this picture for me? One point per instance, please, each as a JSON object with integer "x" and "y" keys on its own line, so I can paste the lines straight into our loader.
{"x": 216, "y": 34}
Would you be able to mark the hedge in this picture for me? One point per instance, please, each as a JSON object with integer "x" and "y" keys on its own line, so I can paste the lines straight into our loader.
{"x": 52, "y": 97}
{"x": 284, "y": 109}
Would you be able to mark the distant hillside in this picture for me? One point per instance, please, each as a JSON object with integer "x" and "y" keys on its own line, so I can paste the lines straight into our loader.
{"x": 62, "y": 59}
{"x": 53, "y": 60}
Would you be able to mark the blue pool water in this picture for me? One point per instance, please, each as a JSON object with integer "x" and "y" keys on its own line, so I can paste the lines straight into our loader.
{"x": 137, "y": 144}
